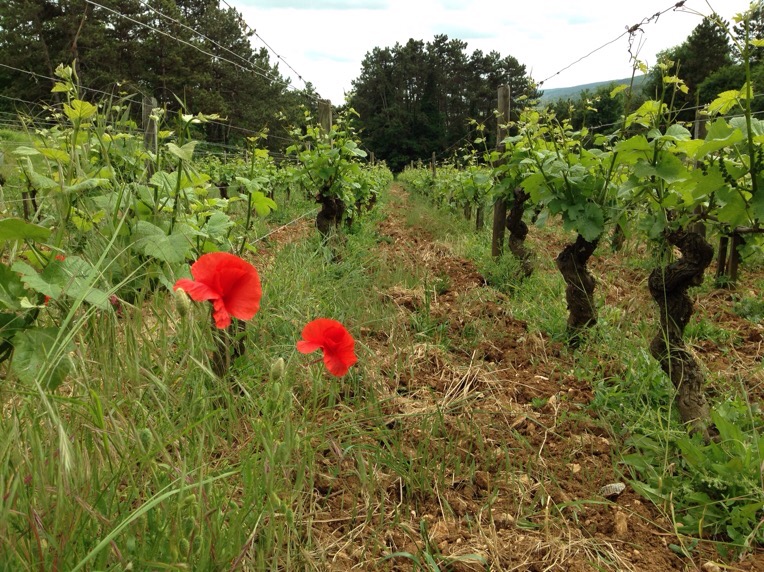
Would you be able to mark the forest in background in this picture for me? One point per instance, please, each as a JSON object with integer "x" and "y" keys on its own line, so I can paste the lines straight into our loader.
{"x": 189, "y": 53}
{"x": 412, "y": 99}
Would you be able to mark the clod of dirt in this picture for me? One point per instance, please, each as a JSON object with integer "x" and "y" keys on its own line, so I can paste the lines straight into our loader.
{"x": 483, "y": 480}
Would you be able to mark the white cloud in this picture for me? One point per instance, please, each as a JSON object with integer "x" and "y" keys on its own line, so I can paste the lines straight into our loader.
{"x": 326, "y": 41}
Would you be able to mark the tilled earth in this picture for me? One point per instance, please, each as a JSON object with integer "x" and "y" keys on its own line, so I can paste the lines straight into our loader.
{"x": 527, "y": 459}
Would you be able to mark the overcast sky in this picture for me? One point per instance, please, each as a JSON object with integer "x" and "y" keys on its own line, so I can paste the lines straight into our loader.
{"x": 325, "y": 41}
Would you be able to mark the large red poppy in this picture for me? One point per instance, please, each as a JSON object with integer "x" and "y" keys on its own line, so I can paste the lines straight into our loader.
{"x": 230, "y": 283}
{"x": 335, "y": 341}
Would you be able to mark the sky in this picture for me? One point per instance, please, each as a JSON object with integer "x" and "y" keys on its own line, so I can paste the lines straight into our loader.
{"x": 325, "y": 41}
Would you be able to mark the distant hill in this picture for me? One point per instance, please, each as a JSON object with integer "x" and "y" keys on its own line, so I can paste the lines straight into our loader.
{"x": 551, "y": 95}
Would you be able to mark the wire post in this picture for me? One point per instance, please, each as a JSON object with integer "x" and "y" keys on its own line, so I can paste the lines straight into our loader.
{"x": 325, "y": 116}
{"x": 500, "y": 206}
{"x": 699, "y": 132}
{"x": 149, "y": 130}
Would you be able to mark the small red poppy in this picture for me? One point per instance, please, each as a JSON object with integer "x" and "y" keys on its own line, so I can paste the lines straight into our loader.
{"x": 230, "y": 283}
{"x": 335, "y": 341}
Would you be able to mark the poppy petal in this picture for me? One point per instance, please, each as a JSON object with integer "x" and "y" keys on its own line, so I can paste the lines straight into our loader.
{"x": 196, "y": 290}
{"x": 229, "y": 281}
{"x": 315, "y": 331}
{"x": 307, "y": 347}
{"x": 242, "y": 295}
{"x": 235, "y": 279}
{"x": 340, "y": 359}
{"x": 335, "y": 341}
{"x": 220, "y": 314}
{"x": 335, "y": 366}
{"x": 347, "y": 354}
{"x": 208, "y": 266}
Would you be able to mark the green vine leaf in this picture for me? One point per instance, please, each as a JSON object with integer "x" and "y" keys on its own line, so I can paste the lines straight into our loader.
{"x": 19, "y": 229}
{"x": 39, "y": 358}
{"x": 152, "y": 241}
{"x": 185, "y": 153}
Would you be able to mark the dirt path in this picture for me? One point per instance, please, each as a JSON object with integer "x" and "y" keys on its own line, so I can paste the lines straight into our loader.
{"x": 522, "y": 460}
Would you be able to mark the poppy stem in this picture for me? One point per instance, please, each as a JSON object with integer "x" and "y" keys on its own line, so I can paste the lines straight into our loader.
{"x": 310, "y": 363}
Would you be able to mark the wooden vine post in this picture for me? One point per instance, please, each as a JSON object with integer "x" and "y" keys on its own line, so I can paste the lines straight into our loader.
{"x": 699, "y": 132}
{"x": 150, "y": 133}
{"x": 325, "y": 115}
{"x": 332, "y": 210}
{"x": 500, "y": 206}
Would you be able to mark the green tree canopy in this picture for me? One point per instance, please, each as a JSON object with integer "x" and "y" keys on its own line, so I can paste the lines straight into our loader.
{"x": 706, "y": 50}
{"x": 417, "y": 98}
{"x": 189, "y": 51}
{"x": 598, "y": 110}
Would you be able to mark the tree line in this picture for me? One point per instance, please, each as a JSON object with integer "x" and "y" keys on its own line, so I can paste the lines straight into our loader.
{"x": 189, "y": 54}
{"x": 418, "y": 98}
{"x": 412, "y": 99}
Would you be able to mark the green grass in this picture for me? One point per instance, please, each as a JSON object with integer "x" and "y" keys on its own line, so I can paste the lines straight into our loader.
{"x": 144, "y": 459}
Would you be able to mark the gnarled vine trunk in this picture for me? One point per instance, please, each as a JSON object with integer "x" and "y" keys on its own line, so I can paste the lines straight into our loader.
{"x": 480, "y": 217}
{"x": 329, "y": 217}
{"x": 518, "y": 230}
{"x": 668, "y": 287}
{"x": 579, "y": 292}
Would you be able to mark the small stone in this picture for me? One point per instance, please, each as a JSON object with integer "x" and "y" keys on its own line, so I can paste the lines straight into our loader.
{"x": 621, "y": 524}
{"x": 504, "y": 520}
{"x": 612, "y": 490}
{"x": 711, "y": 567}
{"x": 574, "y": 468}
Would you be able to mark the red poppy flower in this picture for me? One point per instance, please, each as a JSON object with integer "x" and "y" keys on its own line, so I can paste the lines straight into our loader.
{"x": 335, "y": 341}
{"x": 230, "y": 283}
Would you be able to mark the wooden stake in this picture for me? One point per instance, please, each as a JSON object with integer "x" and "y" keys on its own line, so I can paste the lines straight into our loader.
{"x": 500, "y": 206}
{"x": 325, "y": 115}
{"x": 150, "y": 134}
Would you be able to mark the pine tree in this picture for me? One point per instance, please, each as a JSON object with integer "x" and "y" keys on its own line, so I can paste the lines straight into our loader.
{"x": 418, "y": 98}
{"x": 705, "y": 51}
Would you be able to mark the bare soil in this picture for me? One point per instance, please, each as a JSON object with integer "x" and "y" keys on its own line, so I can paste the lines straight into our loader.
{"x": 528, "y": 457}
